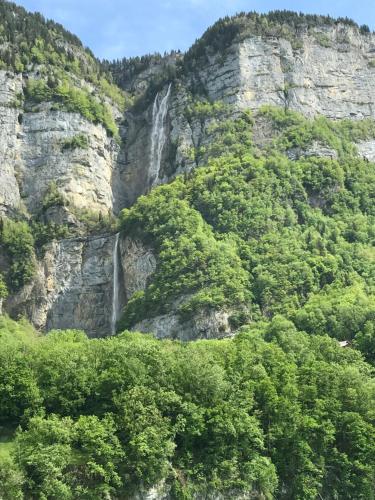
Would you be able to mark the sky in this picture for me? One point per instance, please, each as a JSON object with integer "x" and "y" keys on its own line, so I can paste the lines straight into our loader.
{"x": 113, "y": 29}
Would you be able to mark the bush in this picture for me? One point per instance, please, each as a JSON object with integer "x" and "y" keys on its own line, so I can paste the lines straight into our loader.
{"x": 52, "y": 197}
{"x": 94, "y": 221}
{"x": 11, "y": 480}
{"x": 79, "y": 141}
{"x": 3, "y": 288}
{"x": 18, "y": 242}
{"x": 46, "y": 232}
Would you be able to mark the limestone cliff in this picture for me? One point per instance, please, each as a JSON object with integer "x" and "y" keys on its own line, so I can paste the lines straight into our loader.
{"x": 326, "y": 69}
{"x": 33, "y": 156}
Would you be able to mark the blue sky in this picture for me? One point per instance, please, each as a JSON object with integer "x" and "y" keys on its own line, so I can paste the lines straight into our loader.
{"x": 117, "y": 28}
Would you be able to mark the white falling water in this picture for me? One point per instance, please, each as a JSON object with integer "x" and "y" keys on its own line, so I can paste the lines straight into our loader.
{"x": 158, "y": 135}
{"x": 115, "y": 285}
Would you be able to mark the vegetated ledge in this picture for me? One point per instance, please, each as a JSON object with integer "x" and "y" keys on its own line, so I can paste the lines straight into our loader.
{"x": 279, "y": 23}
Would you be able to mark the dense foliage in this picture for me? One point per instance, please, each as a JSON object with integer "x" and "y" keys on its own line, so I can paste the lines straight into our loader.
{"x": 273, "y": 411}
{"x": 17, "y": 243}
{"x": 261, "y": 234}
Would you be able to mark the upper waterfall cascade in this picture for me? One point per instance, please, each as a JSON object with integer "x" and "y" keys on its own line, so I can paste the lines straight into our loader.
{"x": 115, "y": 285}
{"x": 158, "y": 134}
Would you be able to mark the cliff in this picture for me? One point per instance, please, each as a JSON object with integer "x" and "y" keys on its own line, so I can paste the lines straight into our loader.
{"x": 325, "y": 68}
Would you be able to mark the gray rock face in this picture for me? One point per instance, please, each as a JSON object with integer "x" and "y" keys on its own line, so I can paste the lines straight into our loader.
{"x": 73, "y": 287}
{"x": 83, "y": 176}
{"x": 317, "y": 150}
{"x": 333, "y": 78}
{"x": 207, "y": 324}
{"x": 74, "y": 283}
{"x": 135, "y": 174}
{"x": 33, "y": 155}
{"x": 366, "y": 149}
{"x": 138, "y": 264}
{"x": 10, "y": 86}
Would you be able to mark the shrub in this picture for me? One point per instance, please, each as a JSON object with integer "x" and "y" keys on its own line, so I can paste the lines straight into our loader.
{"x": 79, "y": 141}
{"x": 52, "y": 197}
{"x": 3, "y": 288}
{"x": 323, "y": 39}
{"x": 18, "y": 242}
{"x": 44, "y": 233}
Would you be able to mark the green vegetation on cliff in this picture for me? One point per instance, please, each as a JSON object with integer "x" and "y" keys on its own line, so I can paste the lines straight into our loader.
{"x": 79, "y": 141}
{"x": 278, "y": 23}
{"x": 67, "y": 97}
{"x": 262, "y": 234}
{"x": 18, "y": 243}
{"x": 3, "y": 288}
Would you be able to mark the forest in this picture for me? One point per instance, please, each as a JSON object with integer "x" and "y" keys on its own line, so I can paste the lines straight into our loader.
{"x": 274, "y": 413}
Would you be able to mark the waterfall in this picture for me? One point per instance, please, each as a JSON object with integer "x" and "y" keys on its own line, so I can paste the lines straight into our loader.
{"x": 115, "y": 285}
{"x": 158, "y": 134}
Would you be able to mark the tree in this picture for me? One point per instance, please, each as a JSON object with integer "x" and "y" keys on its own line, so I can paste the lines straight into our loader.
{"x": 11, "y": 480}
{"x": 43, "y": 452}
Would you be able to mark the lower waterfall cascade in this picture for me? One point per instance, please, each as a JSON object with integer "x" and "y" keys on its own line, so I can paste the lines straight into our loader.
{"x": 115, "y": 285}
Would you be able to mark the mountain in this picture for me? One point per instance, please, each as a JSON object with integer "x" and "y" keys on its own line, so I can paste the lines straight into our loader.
{"x": 226, "y": 196}
{"x": 73, "y": 157}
